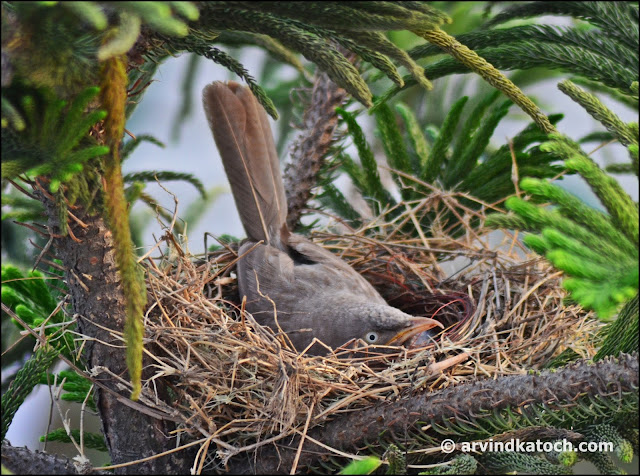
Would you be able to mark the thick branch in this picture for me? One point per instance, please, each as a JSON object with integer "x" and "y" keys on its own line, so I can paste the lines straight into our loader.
{"x": 99, "y": 305}
{"x": 557, "y": 390}
{"x": 24, "y": 461}
{"x": 310, "y": 148}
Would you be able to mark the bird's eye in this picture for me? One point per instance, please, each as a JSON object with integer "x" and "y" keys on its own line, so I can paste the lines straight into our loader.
{"x": 371, "y": 337}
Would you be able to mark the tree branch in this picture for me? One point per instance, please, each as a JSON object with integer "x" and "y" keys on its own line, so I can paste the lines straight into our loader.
{"x": 98, "y": 302}
{"x": 24, "y": 461}
{"x": 396, "y": 421}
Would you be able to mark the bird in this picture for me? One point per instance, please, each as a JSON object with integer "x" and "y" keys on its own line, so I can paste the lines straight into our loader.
{"x": 292, "y": 284}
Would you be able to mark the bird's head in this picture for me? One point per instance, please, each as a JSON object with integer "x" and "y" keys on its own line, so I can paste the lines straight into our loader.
{"x": 394, "y": 327}
{"x": 379, "y": 324}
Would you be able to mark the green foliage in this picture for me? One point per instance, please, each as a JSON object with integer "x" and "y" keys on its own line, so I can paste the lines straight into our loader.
{"x": 129, "y": 146}
{"x": 26, "y": 379}
{"x": 366, "y": 177}
{"x": 56, "y": 44}
{"x": 54, "y": 142}
{"x": 606, "y": 433}
{"x": 92, "y": 441}
{"x": 609, "y": 434}
{"x": 220, "y": 57}
{"x": 29, "y": 293}
{"x": 34, "y": 302}
{"x": 166, "y": 176}
{"x": 458, "y": 158}
{"x": 362, "y": 466}
{"x": 510, "y": 461}
{"x": 604, "y": 52}
{"x": 461, "y": 464}
{"x": 314, "y": 31}
{"x": 564, "y": 458}
{"x": 22, "y": 208}
{"x": 76, "y": 387}
{"x": 272, "y": 46}
{"x": 394, "y": 145}
{"x": 621, "y": 335}
{"x": 397, "y": 461}
{"x": 626, "y": 134}
{"x": 585, "y": 243}
{"x": 599, "y": 251}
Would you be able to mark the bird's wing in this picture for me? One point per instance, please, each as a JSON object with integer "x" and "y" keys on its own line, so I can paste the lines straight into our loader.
{"x": 345, "y": 278}
{"x": 241, "y": 130}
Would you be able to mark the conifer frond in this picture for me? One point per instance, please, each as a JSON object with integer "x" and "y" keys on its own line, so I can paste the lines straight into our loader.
{"x": 625, "y": 133}
{"x": 592, "y": 40}
{"x": 458, "y": 159}
{"x": 394, "y": 146}
{"x": 606, "y": 54}
{"x": 164, "y": 176}
{"x": 623, "y": 211}
{"x": 76, "y": 387}
{"x": 94, "y": 441}
{"x": 51, "y": 142}
{"x": 621, "y": 335}
{"x": 358, "y": 16}
{"x": 516, "y": 56}
{"x": 26, "y": 379}
{"x": 131, "y": 145}
{"x": 314, "y": 30}
{"x": 269, "y": 44}
{"x": 443, "y": 140}
{"x": 365, "y": 177}
{"x": 590, "y": 246}
{"x": 619, "y": 19}
{"x": 34, "y": 301}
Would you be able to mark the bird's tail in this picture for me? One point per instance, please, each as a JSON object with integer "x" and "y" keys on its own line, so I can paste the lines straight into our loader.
{"x": 243, "y": 136}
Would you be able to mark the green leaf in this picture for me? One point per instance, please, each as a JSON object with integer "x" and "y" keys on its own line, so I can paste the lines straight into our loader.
{"x": 364, "y": 466}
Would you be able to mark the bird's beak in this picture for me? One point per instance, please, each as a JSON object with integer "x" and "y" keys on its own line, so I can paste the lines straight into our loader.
{"x": 418, "y": 325}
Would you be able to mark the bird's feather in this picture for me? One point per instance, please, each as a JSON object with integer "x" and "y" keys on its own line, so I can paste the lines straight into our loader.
{"x": 241, "y": 131}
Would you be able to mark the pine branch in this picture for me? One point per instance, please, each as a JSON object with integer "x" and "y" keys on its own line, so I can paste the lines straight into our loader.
{"x": 514, "y": 56}
{"x": 359, "y": 16}
{"x": 490, "y": 74}
{"x": 394, "y": 146}
{"x": 619, "y": 19}
{"x": 26, "y": 379}
{"x": 623, "y": 211}
{"x": 623, "y": 132}
{"x": 438, "y": 151}
{"x": 270, "y": 45}
{"x": 167, "y": 175}
{"x": 572, "y": 397}
{"x": 366, "y": 176}
{"x": 291, "y": 35}
{"x": 593, "y": 40}
{"x": 309, "y": 150}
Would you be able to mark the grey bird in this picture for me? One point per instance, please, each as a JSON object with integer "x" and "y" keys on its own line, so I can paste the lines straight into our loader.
{"x": 291, "y": 284}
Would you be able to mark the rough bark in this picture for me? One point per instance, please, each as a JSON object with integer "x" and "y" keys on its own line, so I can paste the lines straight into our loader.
{"x": 98, "y": 304}
{"x": 310, "y": 148}
{"x": 558, "y": 390}
{"x": 24, "y": 461}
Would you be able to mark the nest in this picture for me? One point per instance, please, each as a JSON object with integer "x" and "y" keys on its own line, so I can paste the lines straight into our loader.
{"x": 238, "y": 385}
